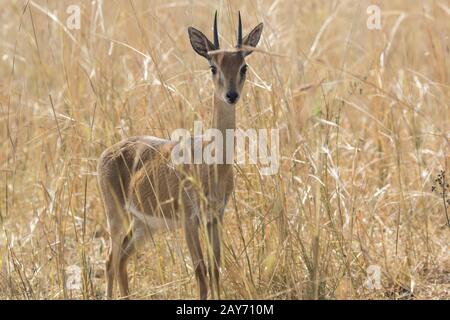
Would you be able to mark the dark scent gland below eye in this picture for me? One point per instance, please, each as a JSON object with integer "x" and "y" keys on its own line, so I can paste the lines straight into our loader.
{"x": 244, "y": 70}
{"x": 213, "y": 70}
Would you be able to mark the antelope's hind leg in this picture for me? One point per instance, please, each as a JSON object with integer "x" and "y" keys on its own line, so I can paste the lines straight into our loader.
{"x": 112, "y": 262}
{"x": 133, "y": 241}
{"x": 113, "y": 203}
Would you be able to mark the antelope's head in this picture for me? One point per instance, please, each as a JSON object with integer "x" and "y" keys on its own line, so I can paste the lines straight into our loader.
{"x": 228, "y": 67}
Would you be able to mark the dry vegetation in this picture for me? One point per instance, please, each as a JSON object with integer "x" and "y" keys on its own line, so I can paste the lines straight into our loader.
{"x": 364, "y": 123}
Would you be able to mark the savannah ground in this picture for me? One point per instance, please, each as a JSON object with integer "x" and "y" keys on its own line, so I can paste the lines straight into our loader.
{"x": 364, "y": 123}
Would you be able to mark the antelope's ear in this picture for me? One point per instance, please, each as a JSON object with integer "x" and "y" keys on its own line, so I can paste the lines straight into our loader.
{"x": 200, "y": 42}
{"x": 253, "y": 37}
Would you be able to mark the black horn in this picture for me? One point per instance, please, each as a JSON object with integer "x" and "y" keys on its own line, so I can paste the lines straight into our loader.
{"x": 216, "y": 34}
{"x": 239, "y": 35}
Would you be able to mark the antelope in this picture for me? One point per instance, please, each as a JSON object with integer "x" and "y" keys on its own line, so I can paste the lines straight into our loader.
{"x": 143, "y": 192}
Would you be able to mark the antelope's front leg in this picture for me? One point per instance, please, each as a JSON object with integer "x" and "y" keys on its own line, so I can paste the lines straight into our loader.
{"x": 214, "y": 257}
{"x": 193, "y": 242}
{"x": 214, "y": 225}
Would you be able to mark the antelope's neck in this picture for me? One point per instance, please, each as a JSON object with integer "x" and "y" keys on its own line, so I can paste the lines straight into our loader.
{"x": 224, "y": 118}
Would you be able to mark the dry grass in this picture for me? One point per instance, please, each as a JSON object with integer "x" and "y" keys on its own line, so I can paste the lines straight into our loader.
{"x": 364, "y": 123}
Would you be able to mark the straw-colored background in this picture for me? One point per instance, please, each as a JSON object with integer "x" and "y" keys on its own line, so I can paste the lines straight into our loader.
{"x": 364, "y": 127}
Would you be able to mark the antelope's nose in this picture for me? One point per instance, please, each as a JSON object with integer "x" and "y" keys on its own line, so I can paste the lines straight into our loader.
{"x": 232, "y": 96}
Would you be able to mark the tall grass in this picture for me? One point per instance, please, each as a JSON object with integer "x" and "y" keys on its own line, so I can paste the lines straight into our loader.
{"x": 364, "y": 129}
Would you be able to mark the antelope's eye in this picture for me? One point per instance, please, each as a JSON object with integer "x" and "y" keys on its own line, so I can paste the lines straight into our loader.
{"x": 244, "y": 70}
{"x": 213, "y": 69}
